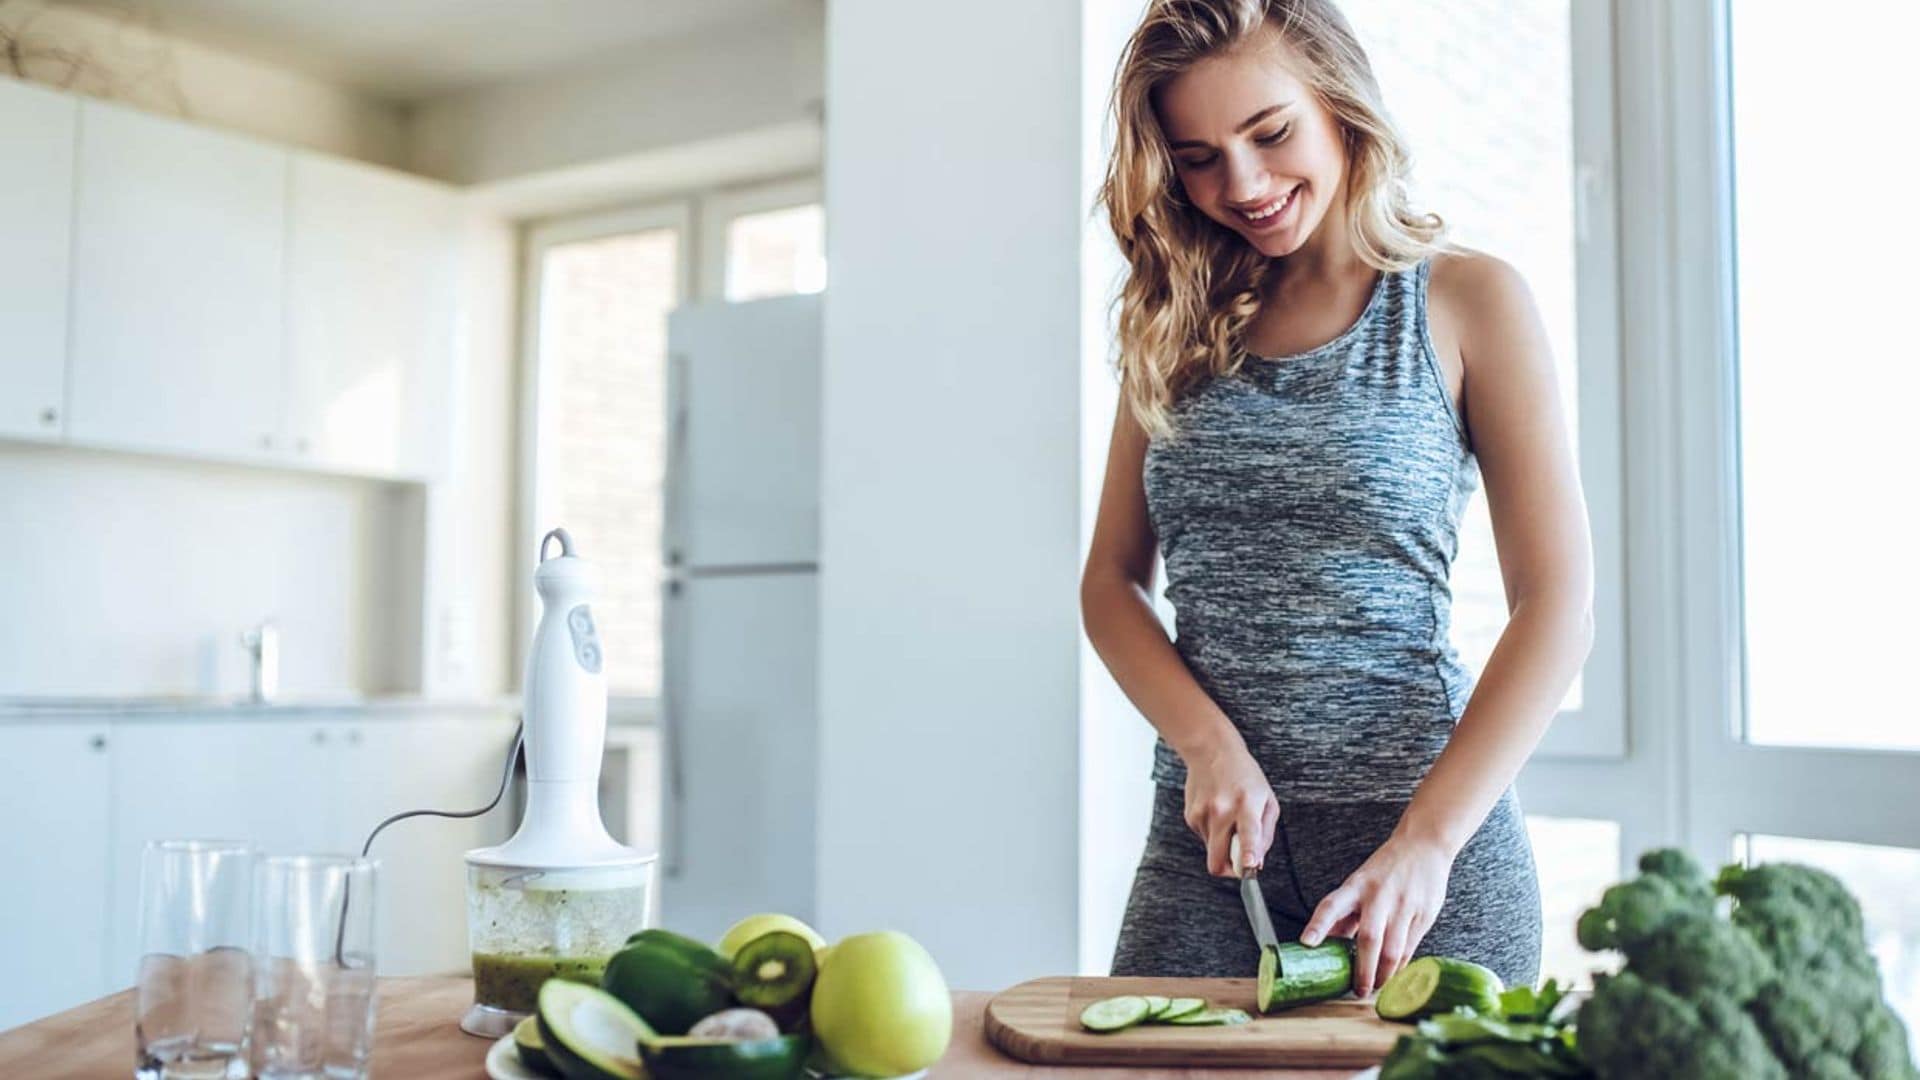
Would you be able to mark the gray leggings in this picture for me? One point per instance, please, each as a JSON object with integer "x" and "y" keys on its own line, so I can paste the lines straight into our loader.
{"x": 1180, "y": 920}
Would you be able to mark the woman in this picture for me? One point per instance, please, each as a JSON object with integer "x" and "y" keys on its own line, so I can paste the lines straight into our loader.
{"x": 1311, "y": 380}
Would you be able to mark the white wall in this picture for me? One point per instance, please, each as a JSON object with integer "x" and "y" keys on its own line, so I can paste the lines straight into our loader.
{"x": 129, "y": 575}
{"x": 705, "y": 86}
{"x": 470, "y": 517}
{"x": 952, "y": 503}
{"x": 131, "y": 59}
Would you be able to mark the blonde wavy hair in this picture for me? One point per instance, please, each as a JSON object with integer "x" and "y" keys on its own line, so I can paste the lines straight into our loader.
{"x": 1193, "y": 285}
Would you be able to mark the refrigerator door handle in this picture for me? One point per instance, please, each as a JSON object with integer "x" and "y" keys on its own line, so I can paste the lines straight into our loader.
{"x": 672, "y": 631}
{"x": 675, "y": 834}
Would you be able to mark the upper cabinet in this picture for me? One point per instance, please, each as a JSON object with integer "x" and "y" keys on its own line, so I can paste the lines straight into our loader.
{"x": 179, "y": 262}
{"x": 370, "y": 309}
{"x": 36, "y": 218}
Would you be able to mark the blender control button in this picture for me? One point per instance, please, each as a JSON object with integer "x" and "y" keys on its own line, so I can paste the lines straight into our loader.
{"x": 590, "y": 657}
{"x": 580, "y": 621}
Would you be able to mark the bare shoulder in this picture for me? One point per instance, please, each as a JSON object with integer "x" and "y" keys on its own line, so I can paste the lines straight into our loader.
{"x": 1481, "y": 298}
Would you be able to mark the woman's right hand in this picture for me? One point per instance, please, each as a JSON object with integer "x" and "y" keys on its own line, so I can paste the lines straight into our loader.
{"x": 1227, "y": 793}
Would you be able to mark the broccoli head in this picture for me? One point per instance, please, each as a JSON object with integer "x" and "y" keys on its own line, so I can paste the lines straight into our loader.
{"x": 1631, "y": 1027}
{"x": 1785, "y": 975}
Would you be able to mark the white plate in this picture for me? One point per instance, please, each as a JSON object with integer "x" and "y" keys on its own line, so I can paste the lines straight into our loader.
{"x": 503, "y": 1062}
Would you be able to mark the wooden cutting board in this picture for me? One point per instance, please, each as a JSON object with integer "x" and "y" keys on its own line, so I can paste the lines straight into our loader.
{"x": 1039, "y": 1022}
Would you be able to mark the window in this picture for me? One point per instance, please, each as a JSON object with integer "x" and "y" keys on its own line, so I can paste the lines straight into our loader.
{"x": 777, "y": 253}
{"x": 1828, "y": 372}
{"x": 601, "y": 291}
{"x": 769, "y": 239}
{"x": 599, "y": 288}
{"x": 1509, "y": 135}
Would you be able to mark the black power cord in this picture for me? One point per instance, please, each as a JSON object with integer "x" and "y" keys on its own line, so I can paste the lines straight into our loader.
{"x": 506, "y": 778}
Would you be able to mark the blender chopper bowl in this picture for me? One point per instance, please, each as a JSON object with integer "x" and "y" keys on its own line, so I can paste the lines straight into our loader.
{"x": 561, "y": 896}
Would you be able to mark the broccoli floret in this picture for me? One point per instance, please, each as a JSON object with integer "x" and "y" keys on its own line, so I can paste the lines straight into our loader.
{"x": 1783, "y": 985}
{"x": 1634, "y": 1028}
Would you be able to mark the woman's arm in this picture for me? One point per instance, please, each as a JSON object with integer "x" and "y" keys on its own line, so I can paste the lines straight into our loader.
{"x": 1226, "y": 791}
{"x": 1546, "y": 563}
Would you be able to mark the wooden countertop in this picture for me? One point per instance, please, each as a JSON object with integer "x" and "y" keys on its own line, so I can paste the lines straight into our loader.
{"x": 418, "y": 1038}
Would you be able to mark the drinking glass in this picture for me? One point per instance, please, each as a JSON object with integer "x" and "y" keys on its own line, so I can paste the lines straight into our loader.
{"x": 194, "y": 990}
{"x": 314, "y": 991}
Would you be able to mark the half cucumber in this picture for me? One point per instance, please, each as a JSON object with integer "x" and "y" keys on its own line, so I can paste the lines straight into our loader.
{"x": 1294, "y": 974}
{"x": 1432, "y": 985}
{"x": 1114, "y": 1013}
{"x": 589, "y": 1034}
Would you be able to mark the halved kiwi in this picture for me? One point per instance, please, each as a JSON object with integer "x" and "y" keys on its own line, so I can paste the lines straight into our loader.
{"x": 773, "y": 971}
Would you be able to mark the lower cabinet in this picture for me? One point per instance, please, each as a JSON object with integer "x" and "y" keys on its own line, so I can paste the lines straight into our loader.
{"x": 54, "y": 847}
{"x": 292, "y": 784}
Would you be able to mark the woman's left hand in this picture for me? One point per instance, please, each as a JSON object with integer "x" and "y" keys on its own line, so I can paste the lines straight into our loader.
{"x": 1386, "y": 906}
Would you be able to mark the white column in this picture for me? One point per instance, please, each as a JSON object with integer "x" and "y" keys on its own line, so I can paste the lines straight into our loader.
{"x": 953, "y": 490}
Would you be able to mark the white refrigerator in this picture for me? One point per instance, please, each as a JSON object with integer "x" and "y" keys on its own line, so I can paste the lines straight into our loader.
{"x": 740, "y": 613}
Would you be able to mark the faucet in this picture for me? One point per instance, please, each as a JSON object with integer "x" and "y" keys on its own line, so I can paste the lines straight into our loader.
{"x": 263, "y": 645}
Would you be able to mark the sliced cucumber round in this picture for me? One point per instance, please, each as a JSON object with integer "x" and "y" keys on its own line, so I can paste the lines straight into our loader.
{"x": 1156, "y": 1005}
{"x": 1180, "y": 1007}
{"x": 1213, "y": 1017}
{"x": 589, "y": 1033}
{"x": 1114, "y": 1013}
{"x": 1432, "y": 985}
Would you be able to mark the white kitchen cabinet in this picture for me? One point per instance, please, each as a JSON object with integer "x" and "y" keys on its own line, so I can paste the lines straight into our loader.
{"x": 36, "y": 218}
{"x": 54, "y": 848}
{"x": 178, "y": 279}
{"x": 370, "y": 314}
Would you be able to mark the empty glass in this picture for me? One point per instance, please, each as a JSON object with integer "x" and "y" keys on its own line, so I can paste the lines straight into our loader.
{"x": 193, "y": 991}
{"x": 314, "y": 991}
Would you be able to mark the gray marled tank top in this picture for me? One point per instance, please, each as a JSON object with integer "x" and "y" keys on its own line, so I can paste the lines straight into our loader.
{"x": 1308, "y": 509}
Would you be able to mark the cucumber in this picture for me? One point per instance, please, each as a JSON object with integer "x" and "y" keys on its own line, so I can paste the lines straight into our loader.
{"x": 1114, "y": 1013}
{"x": 1180, "y": 1007}
{"x": 1156, "y": 1006}
{"x": 1212, "y": 1017}
{"x": 1294, "y": 974}
{"x": 1438, "y": 984}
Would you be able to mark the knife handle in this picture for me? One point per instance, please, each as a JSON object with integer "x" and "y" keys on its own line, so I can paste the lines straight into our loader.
{"x": 1233, "y": 857}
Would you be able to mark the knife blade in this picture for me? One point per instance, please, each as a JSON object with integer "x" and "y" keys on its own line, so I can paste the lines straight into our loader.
{"x": 1254, "y": 900}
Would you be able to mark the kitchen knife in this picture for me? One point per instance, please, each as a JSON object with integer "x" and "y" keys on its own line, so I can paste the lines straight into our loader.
{"x": 1254, "y": 901}
{"x": 1257, "y": 916}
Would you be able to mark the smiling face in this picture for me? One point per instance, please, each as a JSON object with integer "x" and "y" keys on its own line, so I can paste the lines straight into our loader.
{"x": 1253, "y": 147}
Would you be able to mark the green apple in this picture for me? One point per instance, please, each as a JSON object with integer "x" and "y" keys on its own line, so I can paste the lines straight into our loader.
{"x": 881, "y": 1006}
{"x": 754, "y": 925}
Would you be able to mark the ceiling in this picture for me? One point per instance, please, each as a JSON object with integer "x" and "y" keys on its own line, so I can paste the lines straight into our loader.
{"x": 405, "y": 50}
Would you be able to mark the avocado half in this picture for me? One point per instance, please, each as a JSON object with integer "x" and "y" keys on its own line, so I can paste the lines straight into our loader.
{"x": 589, "y": 1033}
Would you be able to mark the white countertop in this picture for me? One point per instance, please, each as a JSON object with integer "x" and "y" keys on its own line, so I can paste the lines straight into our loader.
{"x": 162, "y": 707}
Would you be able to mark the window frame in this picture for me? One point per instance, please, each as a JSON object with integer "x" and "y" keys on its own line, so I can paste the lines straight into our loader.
{"x": 1736, "y": 787}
